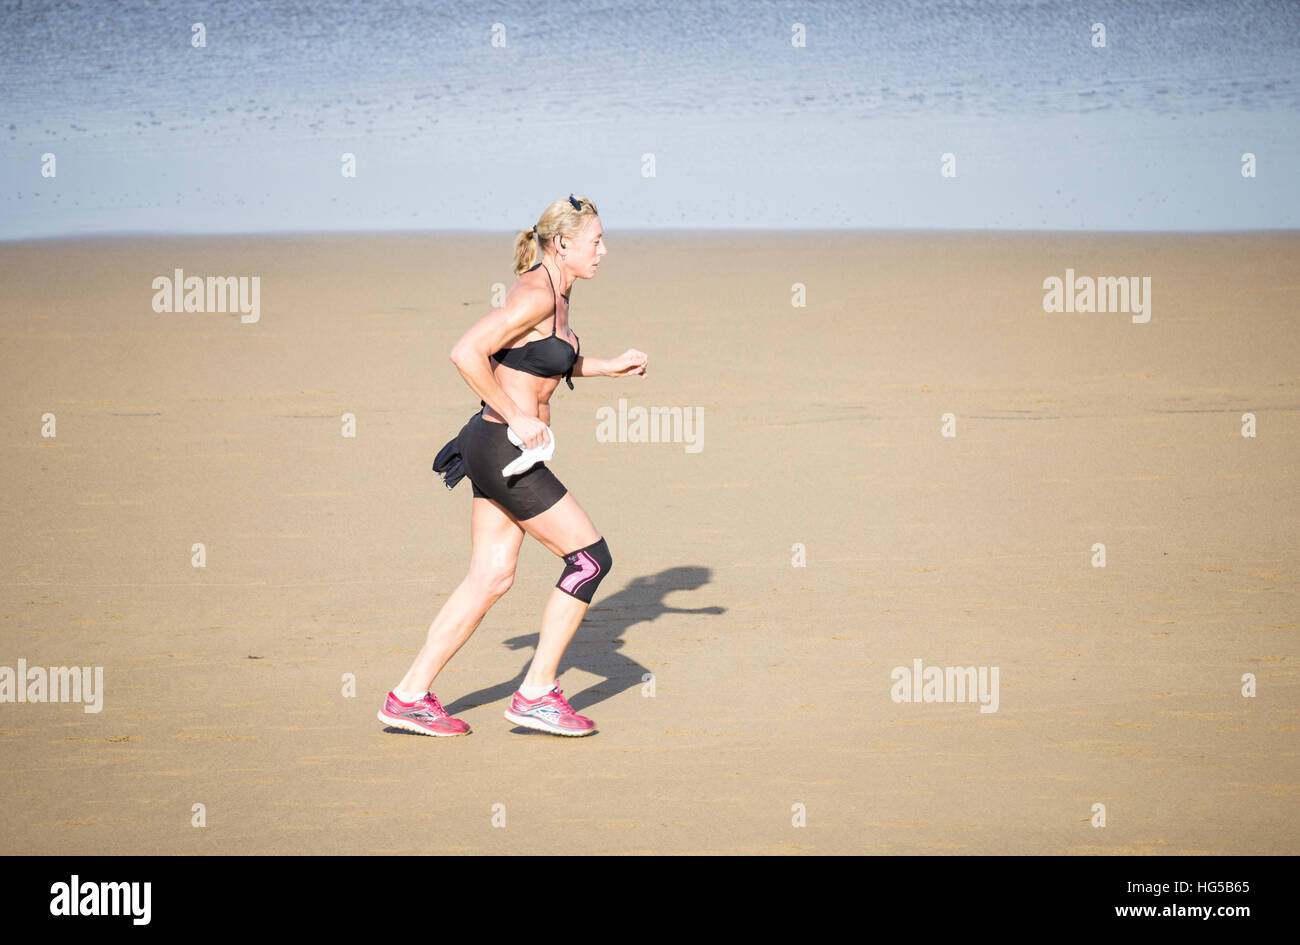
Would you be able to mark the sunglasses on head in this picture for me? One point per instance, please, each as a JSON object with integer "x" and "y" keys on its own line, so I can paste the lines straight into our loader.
{"x": 576, "y": 206}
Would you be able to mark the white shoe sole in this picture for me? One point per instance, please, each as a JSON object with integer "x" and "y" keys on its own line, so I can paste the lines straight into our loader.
{"x": 528, "y": 721}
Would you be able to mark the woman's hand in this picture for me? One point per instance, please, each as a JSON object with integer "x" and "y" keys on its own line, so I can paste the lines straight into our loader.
{"x": 629, "y": 363}
{"x": 531, "y": 430}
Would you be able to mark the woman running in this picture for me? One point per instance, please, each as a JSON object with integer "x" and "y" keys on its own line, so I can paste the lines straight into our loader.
{"x": 514, "y": 361}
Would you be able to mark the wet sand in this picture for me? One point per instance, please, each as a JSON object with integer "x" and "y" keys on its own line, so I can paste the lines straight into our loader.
{"x": 825, "y": 533}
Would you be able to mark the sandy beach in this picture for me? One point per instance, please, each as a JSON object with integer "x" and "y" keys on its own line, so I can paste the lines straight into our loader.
{"x": 821, "y": 532}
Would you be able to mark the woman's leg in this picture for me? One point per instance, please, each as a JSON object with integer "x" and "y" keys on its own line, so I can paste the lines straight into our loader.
{"x": 563, "y": 528}
{"x": 496, "y": 538}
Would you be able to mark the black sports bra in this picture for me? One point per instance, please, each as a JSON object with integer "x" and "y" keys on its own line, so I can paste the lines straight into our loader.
{"x": 547, "y": 357}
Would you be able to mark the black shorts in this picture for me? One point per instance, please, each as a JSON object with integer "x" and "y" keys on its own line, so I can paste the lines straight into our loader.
{"x": 485, "y": 449}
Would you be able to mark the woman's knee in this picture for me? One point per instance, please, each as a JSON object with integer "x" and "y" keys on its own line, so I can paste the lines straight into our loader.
{"x": 492, "y": 580}
{"x": 584, "y": 569}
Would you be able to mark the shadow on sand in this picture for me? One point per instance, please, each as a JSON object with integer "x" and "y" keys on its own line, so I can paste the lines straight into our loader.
{"x": 595, "y": 647}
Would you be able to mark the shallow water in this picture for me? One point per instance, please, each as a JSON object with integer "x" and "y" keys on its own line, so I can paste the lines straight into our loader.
{"x": 459, "y": 123}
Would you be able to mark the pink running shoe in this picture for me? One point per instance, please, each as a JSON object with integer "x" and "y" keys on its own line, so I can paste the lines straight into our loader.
{"x": 424, "y": 716}
{"x": 550, "y": 713}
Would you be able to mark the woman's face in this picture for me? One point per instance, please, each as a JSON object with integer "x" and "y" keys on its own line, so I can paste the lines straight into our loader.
{"x": 583, "y": 252}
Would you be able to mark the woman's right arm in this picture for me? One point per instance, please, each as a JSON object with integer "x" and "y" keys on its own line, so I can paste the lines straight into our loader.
{"x": 524, "y": 308}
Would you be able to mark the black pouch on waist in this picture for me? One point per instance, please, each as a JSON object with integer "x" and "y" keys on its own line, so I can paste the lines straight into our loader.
{"x": 449, "y": 465}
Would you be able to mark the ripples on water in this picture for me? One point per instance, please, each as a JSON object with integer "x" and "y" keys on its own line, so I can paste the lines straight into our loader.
{"x": 117, "y": 71}
{"x": 123, "y": 78}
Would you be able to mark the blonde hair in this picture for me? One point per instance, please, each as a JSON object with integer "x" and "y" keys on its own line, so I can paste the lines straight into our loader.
{"x": 558, "y": 219}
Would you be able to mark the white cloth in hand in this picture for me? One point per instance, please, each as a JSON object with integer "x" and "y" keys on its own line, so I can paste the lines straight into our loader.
{"x": 528, "y": 458}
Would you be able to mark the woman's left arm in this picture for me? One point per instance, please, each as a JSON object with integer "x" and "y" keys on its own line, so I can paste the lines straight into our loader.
{"x": 589, "y": 367}
{"x": 629, "y": 362}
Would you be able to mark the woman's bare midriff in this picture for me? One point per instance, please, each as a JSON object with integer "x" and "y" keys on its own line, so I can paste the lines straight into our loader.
{"x": 529, "y": 392}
